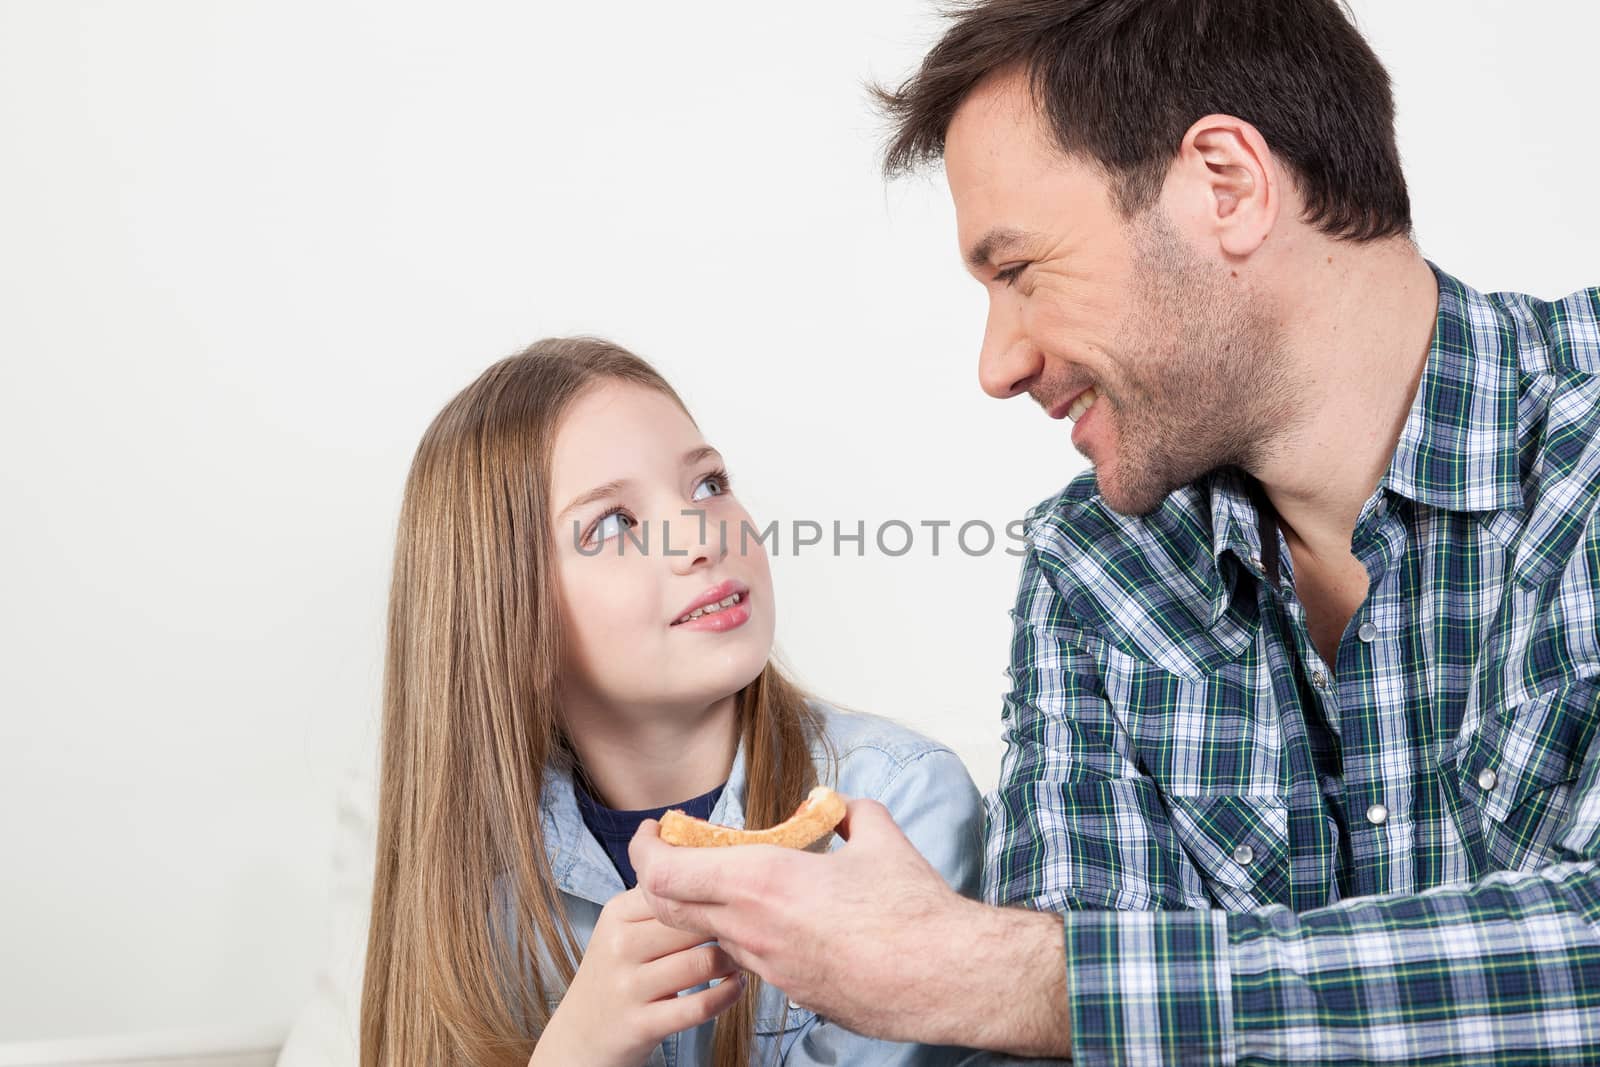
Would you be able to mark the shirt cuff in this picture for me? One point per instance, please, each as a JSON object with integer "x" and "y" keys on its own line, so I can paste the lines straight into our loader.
{"x": 1149, "y": 987}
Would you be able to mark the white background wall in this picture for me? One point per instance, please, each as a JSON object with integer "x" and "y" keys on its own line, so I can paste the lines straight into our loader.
{"x": 248, "y": 249}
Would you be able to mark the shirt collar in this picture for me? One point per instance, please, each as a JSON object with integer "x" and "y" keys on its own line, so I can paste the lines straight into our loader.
{"x": 1458, "y": 448}
{"x": 1236, "y": 528}
{"x": 1235, "y": 518}
{"x": 578, "y": 862}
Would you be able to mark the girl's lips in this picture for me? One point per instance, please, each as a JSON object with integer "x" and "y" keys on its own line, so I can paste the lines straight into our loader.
{"x": 721, "y": 591}
{"x": 720, "y": 621}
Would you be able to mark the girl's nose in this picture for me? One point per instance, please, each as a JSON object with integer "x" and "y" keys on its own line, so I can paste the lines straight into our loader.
{"x": 695, "y": 540}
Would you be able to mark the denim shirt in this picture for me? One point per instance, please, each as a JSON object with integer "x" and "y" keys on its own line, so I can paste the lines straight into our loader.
{"x": 926, "y": 788}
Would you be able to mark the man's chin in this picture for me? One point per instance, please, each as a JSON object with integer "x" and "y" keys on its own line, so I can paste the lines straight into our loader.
{"x": 1132, "y": 501}
{"x": 1131, "y": 490}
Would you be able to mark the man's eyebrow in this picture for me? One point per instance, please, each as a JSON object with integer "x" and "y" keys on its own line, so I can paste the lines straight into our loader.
{"x": 601, "y": 492}
{"x": 999, "y": 239}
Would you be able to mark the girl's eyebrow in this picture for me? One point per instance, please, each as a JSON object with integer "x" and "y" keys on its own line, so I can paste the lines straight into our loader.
{"x": 609, "y": 489}
{"x": 695, "y": 455}
{"x": 599, "y": 492}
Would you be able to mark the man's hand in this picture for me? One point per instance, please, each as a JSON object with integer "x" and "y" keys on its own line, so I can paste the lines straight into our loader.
{"x": 869, "y": 936}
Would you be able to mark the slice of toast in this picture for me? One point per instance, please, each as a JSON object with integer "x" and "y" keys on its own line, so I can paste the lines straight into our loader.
{"x": 813, "y": 821}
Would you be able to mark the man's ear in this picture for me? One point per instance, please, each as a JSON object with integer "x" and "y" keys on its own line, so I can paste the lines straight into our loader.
{"x": 1228, "y": 184}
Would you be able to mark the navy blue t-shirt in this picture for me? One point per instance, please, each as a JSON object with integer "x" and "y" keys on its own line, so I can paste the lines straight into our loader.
{"x": 614, "y": 829}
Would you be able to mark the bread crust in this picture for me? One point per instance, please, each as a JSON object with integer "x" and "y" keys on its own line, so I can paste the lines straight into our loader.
{"x": 812, "y": 822}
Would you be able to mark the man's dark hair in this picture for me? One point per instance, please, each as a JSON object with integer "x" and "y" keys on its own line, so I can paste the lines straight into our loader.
{"x": 1121, "y": 81}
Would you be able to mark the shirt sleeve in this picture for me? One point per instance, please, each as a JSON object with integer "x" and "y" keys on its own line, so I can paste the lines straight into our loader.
{"x": 937, "y": 807}
{"x": 1075, "y": 827}
{"x": 1073, "y": 823}
{"x": 1502, "y": 971}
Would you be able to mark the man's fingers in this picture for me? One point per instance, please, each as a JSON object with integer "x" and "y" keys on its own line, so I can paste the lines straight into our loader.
{"x": 866, "y": 819}
{"x": 703, "y": 921}
{"x": 699, "y": 875}
{"x": 646, "y": 851}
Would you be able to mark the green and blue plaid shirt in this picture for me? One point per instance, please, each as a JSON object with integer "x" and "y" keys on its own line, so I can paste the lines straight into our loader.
{"x": 1265, "y": 858}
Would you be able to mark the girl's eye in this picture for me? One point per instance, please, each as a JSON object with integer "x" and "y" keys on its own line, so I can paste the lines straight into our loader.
{"x": 609, "y": 525}
{"x": 717, "y": 479}
{"x": 1009, "y": 275}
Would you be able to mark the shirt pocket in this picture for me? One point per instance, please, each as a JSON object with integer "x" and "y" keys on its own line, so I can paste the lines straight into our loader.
{"x": 1515, "y": 774}
{"x": 1239, "y": 845}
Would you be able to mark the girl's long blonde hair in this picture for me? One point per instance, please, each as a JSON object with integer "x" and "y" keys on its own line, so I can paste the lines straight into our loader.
{"x": 471, "y": 722}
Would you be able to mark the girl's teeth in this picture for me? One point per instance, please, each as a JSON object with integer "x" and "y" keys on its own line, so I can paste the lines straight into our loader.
{"x": 1082, "y": 404}
{"x": 726, "y": 602}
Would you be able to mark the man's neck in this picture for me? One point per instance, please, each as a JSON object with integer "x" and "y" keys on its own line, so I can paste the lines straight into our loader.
{"x": 634, "y": 761}
{"x": 1358, "y": 331}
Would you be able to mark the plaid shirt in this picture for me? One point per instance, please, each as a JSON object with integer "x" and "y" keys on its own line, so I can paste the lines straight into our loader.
{"x": 1264, "y": 857}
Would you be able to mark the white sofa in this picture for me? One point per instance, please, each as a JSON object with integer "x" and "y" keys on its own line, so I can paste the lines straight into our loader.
{"x": 188, "y": 1048}
{"x": 323, "y": 1033}
{"x": 326, "y": 1031}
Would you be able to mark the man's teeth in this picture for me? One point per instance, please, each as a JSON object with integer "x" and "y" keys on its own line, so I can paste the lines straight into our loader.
{"x": 726, "y": 602}
{"x": 1082, "y": 404}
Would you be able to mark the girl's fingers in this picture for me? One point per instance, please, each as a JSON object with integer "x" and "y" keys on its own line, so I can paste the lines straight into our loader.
{"x": 682, "y": 970}
{"x": 631, "y": 906}
{"x": 683, "y": 1013}
{"x": 648, "y": 940}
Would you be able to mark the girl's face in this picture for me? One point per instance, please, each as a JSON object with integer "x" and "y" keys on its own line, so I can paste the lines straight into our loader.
{"x": 647, "y": 530}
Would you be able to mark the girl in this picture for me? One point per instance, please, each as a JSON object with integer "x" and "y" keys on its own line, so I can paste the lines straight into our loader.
{"x": 580, "y": 636}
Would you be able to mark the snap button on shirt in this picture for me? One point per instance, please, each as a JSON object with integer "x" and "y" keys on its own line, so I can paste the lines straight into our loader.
{"x": 1244, "y": 855}
{"x": 1487, "y": 779}
{"x": 1377, "y": 814}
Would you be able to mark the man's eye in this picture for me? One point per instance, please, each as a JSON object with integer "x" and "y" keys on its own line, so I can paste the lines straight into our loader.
{"x": 609, "y": 525}
{"x": 1009, "y": 275}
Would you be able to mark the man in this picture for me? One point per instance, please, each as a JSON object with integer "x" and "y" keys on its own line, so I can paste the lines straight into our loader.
{"x": 1306, "y": 672}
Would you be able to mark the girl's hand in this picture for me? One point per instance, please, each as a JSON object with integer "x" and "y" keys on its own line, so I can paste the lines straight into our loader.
{"x": 623, "y": 1001}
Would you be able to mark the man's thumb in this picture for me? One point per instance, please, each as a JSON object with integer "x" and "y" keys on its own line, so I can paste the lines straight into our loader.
{"x": 865, "y": 819}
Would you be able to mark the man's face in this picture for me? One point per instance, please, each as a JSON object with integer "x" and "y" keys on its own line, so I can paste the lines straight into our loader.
{"x": 1126, "y": 327}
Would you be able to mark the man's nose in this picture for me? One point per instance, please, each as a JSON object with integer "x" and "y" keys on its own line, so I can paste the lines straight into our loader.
{"x": 1008, "y": 362}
